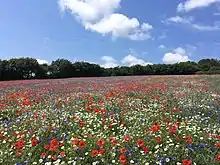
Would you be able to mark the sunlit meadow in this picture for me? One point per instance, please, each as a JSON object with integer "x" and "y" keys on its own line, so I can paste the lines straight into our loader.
{"x": 107, "y": 121}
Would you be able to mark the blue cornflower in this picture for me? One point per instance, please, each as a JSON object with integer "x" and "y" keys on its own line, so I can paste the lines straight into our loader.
{"x": 202, "y": 145}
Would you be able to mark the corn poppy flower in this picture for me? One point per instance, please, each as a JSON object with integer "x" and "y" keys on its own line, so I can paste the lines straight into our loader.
{"x": 122, "y": 159}
{"x": 95, "y": 153}
{"x": 140, "y": 143}
{"x": 187, "y": 162}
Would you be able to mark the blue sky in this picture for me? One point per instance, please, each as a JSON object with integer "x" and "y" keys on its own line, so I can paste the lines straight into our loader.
{"x": 110, "y": 32}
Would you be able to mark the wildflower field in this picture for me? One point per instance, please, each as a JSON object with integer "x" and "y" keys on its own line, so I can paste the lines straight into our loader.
{"x": 119, "y": 120}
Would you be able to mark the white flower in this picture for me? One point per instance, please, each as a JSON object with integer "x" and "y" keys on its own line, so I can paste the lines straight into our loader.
{"x": 131, "y": 161}
{"x": 40, "y": 160}
{"x": 167, "y": 159}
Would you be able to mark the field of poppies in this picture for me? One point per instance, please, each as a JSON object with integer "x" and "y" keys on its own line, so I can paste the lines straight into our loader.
{"x": 106, "y": 121}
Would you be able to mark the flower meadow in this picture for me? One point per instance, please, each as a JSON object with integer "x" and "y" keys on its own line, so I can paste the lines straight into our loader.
{"x": 106, "y": 121}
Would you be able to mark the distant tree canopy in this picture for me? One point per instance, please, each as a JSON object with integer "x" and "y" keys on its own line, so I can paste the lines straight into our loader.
{"x": 29, "y": 68}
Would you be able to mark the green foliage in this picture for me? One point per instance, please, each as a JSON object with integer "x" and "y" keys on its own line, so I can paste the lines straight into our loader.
{"x": 29, "y": 68}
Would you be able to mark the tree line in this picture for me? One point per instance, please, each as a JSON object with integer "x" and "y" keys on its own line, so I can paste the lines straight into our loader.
{"x": 29, "y": 68}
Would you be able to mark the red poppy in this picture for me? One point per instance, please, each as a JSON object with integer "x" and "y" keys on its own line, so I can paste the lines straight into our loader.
{"x": 81, "y": 144}
{"x": 101, "y": 142}
{"x": 217, "y": 145}
{"x": 145, "y": 149}
{"x": 95, "y": 153}
{"x": 43, "y": 154}
{"x": 62, "y": 154}
{"x": 75, "y": 141}
{"x": 101, "y": 151}
{"x": 127, "y": 138}
{"x": 155, "y": 127}
{"x": 177, "y": 139}
{"x": 46, "y": 146}
{"x": 140, "y": 143}
{"x": 52, "y": 148}
{"x": 187, "y": 162}
{"x": 158, "y": 140}
{"x": 53, "y": 142}
{"x": 19, "y": 153}
{"x": 19, "y": 144}
{"x": 123, "y": 150}
{"x": 122, "y": 159}
{"x": 173, "y": 130}
{"x": 217, "y": 158}
{"x": 188, "y": 139}
{"x": 34, "y": 142}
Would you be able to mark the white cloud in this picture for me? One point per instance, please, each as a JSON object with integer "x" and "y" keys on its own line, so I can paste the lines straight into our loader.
{"x": 161, "y": 46}
{"x": 179, "y": 50}
{"x": 109, "y": 62}
{"x": 178, "y": 19}
{"x": 190, "y": 22}
{"x": 178, "y": 55}
{"x": 130, "y": 60}
{"x": 193, "y": 4}
{"x": 100, "y": 16}
{"x": 206, "y": 27}
{"x": 42, "y": 61}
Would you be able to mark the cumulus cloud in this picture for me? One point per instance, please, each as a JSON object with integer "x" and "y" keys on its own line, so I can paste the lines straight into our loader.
{"x": 131, "y": 60}
{"x": 189, "y": 21}
{"x": 193, "y": 4}
{"x": 178, "y": 55}
{"x": 42, "y": 61}
{"x": 178, "y": 19}
{"x": 109, "y": 62}
{"x": 161, "y": 46}
{"x": 100, "y": 16}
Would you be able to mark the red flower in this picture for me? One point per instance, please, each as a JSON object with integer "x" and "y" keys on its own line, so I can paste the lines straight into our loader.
{"x": 177, "y": 139}
{"x": 101, "y": 142}
{"x": 75, "y": 141}
{"x": 19, "y": 144}
{"x": 172, "y": 130}
{"x": 53, "y": 142}
{"x": 81, "y": 144}
{"x": 145, "y": 149}
{"x": 19, "y": 153}
{"x": 158, "y": 140}
{"x": 217, "y": 158}
{"x": 140, "y": 143}
{"x": 101, "y": 151}
{"x": 95, "y": 153}
{"x": 187, "y": 162}
{"x": 43, "y": 154}
{"x": 155, "y": 127}
{"x": 52, "y": 148}
{"x": 217, "y": 145}
{"x": 46, "y": 146}
{"x": 123, "y": 150}
{"x": 34, "y": 142}
{"x": 1, "y": 136}
{"x": 122, "y": 159}
{"x": 127, "y": 138}
{"x": 62, "y": 154}
{"x": 188, "y": 139}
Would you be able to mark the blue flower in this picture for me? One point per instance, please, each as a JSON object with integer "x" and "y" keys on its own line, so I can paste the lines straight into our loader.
{"x": 202, "y": 145}
{"x": 142, "y": 120}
